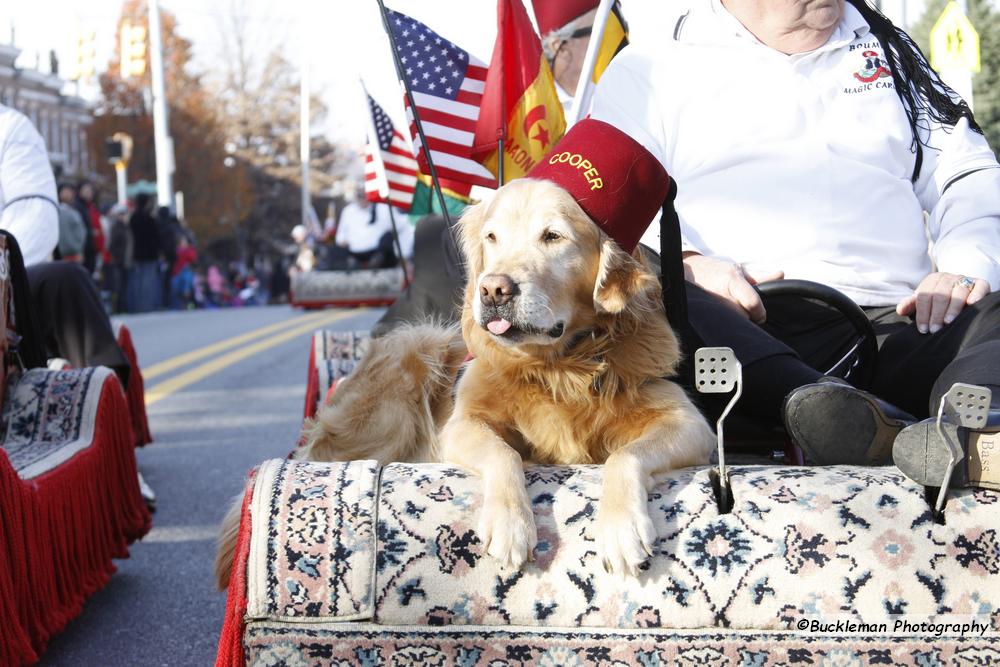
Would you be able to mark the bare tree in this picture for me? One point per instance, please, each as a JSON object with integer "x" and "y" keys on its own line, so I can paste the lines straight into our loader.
{"x": 257, "y": 91}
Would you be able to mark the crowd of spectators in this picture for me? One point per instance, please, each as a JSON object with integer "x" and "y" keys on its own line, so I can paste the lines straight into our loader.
{"x": 145, "y": 259}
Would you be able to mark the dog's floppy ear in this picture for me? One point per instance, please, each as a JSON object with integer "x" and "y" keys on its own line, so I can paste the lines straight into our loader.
{"x": 470, "y": 228}
{"x": 620, "y": 279}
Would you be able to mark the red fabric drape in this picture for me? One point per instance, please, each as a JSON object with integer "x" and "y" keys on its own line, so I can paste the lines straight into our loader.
{"x": 60, "y": 531}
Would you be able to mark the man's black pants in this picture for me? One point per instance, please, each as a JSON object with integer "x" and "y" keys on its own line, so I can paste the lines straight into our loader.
{"x": 71, "y": 318}
{"x": 913, "y": 370}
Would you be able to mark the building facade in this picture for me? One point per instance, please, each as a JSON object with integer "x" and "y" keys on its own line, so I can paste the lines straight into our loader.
{"x": 61, "y": 119}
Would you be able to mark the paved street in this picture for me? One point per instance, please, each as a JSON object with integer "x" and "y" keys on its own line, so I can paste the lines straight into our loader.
{"x": 212, "y": 418}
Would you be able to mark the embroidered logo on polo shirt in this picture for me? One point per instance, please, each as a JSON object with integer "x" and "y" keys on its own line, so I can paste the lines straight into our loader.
{"x": 874, "y": 68}
{"x": 873, "y": 72}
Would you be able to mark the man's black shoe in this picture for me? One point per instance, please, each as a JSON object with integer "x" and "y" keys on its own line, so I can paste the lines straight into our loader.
{"x": 921, "y": 455}
{"x": 835, "y": 423}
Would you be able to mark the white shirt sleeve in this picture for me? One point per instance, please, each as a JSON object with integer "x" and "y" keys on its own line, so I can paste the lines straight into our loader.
{"x": 27, "y": 191}
{"x": 626, "y": 98}
{"x": 959, "y": 186}
{"x": 345, "y": 221}
{"x": 32, "y": 222}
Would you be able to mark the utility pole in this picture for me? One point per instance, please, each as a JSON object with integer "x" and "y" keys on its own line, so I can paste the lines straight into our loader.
{"x": 121, "y": 180}
{"x": 304, "y": 132}
{"x": 161, "y": 129}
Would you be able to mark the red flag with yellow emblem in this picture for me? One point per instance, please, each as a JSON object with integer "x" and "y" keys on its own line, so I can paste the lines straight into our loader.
{"x": 519, "y": 103}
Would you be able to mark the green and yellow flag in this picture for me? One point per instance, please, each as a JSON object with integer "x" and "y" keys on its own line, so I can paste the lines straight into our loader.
{"x": 425, "y": 199}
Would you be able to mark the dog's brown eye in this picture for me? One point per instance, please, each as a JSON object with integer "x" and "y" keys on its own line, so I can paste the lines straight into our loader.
{"x": 549, "y": 236}
{"x": 491, "y": 237}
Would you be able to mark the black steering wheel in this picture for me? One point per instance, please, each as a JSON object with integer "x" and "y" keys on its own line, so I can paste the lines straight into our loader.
{"x": 858, "y": 365}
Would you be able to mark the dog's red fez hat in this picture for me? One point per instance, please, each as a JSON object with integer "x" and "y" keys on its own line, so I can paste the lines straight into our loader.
{"x": 616, "y": 181}
{"x": 554, "y": 14}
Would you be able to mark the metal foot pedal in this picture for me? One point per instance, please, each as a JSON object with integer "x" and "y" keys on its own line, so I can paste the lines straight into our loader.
{"x": 718, "y": 371}
{"x": 966, "y": 406}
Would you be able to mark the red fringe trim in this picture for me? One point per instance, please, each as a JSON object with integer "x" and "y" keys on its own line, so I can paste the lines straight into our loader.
{"x": 231, "y": 639}
{"x": 312, "y": 384}
{"x": 72, "y": 521}
{"x": 15, "y": 642}
{"x": 136, "y": 391}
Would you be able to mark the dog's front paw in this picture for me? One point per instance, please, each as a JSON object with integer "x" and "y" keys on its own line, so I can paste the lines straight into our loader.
{"x": 507, "y": 532}
{"x": 625, "y": 538}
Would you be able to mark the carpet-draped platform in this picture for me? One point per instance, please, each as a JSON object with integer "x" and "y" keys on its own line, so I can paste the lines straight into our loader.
{"x": 357, "y": 564}
{"x": 69, "y": 500}
{"x": 363, "y": 287}
{"x": 332, "y": 356}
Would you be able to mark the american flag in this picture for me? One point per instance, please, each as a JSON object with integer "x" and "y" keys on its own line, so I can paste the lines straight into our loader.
{"x": 447, "y": 85}
{"x": 390, "y": 171}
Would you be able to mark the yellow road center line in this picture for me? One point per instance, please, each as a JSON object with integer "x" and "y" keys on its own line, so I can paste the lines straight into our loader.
{"x": 167, "y": 387}
{"x": 196, "y": 355}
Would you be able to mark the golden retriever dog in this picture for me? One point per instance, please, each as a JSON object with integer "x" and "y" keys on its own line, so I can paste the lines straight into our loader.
{"x": 570, "y": 349}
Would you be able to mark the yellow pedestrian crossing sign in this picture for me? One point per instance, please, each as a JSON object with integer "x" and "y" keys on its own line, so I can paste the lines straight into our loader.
{"x": 954, "y": 42}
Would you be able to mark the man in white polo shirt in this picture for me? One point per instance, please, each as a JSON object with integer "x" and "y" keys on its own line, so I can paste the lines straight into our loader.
{"x": 795, "y": 157}
{"x": 28, "y": 206}
{"x": 365, "y": 229}
{"x": 68, "y": 311}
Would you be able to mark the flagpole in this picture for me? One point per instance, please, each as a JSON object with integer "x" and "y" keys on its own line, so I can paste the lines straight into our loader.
{"x": 501, "y": 132}
{"x": 383, "y": 186}
{"x": 377, "y": 158}
{"x": 399, "y": 248}
{"x": 400, "y": 72}
{"x": 305, "y": 132}
{"x": 585, "y": 84}
{"x": 500, "y": 162}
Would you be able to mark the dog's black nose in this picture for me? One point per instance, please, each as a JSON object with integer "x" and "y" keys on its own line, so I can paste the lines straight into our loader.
{"x": 496, "y": 289}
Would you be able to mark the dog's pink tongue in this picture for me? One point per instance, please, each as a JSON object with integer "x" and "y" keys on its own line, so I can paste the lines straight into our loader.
{"x": 498, "y": 327}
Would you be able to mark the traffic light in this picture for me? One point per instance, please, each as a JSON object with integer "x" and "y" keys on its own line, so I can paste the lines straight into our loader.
{"x": 133, "y": 50}
{"x": 86, "y": 56}
{"x": 118, "y": 148}
{"x": 113, "y": 150}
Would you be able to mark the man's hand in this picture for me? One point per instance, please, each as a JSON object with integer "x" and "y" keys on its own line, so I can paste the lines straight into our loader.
{"x": 939, "y": 298}
{"x": 729, "y": 281}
